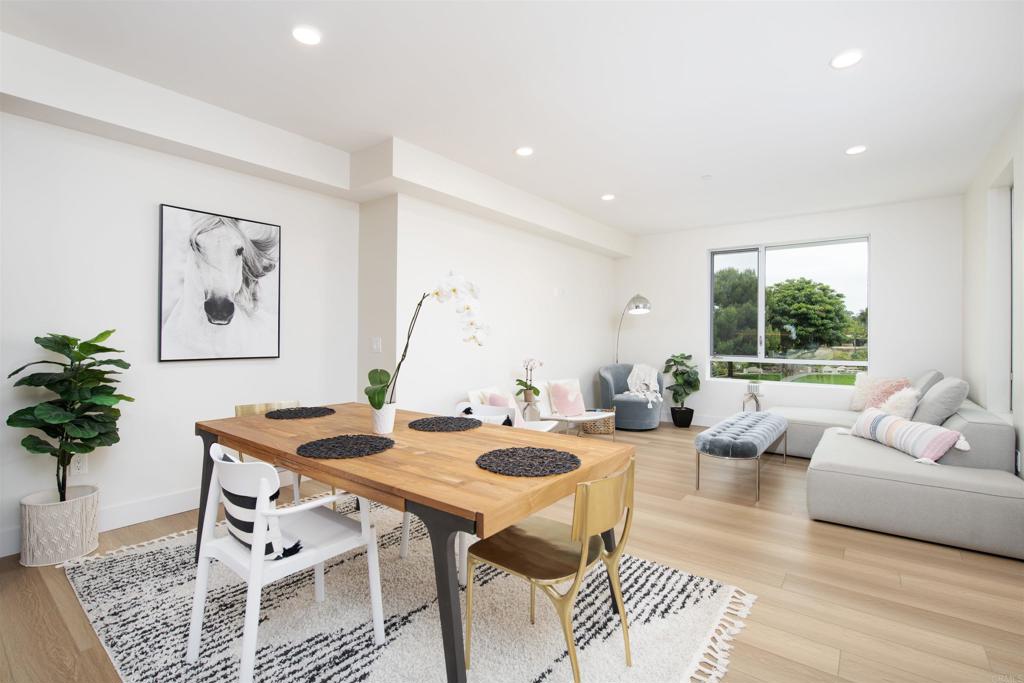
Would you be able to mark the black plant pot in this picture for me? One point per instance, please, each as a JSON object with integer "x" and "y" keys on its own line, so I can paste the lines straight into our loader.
{"x": 681, "y": 416}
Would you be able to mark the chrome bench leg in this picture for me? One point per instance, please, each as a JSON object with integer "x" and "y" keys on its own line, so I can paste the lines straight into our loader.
{"x": 698, "y": 470}
{"x": 757, "y": 480}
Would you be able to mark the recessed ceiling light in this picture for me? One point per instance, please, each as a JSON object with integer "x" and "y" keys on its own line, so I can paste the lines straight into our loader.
{"x": 307, "y": 35}
{"x": 525, "y": 151}
{"x": 856, "y": 149}
{"x": 607, "y": 197}
{"x": 706, "y": 177}
{"x": 846, "y": 59}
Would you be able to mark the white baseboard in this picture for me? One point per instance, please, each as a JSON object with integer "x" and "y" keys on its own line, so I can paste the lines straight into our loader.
{"x": 120, "y": 515}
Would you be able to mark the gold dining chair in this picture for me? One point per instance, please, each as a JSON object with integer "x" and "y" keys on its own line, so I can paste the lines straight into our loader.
{"x": 262, "y": 409}
{"x": 547, "y": 553}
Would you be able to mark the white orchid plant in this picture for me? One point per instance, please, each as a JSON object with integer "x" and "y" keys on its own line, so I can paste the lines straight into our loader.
{"x": 453, "y": 288}
{"x": 526, "y": 388}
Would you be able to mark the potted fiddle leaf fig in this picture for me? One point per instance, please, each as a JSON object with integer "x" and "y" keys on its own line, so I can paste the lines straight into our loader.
{"x": 685, "y": 381}
{"x": 78, "y": 417}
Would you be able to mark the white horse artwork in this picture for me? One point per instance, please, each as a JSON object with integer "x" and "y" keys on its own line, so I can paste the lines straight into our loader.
{"x": 220, "y": 286}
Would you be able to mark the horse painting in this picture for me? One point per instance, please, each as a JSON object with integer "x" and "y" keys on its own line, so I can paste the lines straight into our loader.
{"x": 220, "y": 287}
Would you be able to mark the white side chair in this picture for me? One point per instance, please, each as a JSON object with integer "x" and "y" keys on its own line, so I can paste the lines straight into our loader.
{"x": 323, "y": 534}
{"x": 497, "y": 414}
{"x": 263, "y": 409}
{"x": 548, "y": 411}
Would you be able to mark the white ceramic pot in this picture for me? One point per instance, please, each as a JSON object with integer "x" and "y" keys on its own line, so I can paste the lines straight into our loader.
{"x": 53, "y": 532}
{"x": 384, "y": 419}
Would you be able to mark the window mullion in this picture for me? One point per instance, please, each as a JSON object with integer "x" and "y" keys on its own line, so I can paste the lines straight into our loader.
{"x": 760, "y": 303}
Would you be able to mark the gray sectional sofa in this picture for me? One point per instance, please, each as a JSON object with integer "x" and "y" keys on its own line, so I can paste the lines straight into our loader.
{"x": 972, "y": 499}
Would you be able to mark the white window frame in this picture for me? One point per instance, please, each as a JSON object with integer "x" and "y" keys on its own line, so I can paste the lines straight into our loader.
{"x": 762, "y": 250}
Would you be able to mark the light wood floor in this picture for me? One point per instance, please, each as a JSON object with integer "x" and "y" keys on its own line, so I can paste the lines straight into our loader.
{"x": 835, "y": 603}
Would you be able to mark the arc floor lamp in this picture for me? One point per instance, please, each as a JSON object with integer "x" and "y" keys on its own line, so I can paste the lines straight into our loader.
{"x": 637, "y": 305}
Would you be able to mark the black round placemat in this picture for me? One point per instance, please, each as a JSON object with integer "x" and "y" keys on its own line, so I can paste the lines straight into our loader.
{"x": 345, "y": 446}
{"x": 299, "y": 413}
{"x": 444, "y": 424}
{"x": 528, "y": 462}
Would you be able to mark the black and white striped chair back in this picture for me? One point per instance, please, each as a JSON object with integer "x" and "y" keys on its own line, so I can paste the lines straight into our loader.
{"x": 239, "y": 484}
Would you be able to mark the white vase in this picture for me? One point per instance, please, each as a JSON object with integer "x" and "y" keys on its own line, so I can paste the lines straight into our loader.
{"x": 384, "y": 419}
{"x": 53, "y": 532}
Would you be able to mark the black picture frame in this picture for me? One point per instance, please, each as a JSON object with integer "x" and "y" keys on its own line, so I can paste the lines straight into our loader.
{"x": 161, "y": 322}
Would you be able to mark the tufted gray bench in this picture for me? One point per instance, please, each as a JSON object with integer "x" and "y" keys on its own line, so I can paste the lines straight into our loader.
{"x": 744, "y": 436}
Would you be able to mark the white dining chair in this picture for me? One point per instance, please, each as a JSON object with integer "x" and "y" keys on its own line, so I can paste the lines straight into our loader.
{"x": 262, "y": 409}
{"x": 264, "y": 544}
{"x": 497, "y": 414}
{"x": 296, "y": 478}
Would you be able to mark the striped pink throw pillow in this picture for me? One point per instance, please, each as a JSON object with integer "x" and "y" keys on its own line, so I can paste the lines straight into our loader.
{"x": 922, "y": 440}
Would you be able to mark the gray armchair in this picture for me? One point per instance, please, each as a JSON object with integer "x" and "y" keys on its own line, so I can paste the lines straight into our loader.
{"x": 631, "y": 412}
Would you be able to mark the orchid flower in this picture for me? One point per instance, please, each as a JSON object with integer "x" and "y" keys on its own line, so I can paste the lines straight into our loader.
{"x": 467, "y": 306}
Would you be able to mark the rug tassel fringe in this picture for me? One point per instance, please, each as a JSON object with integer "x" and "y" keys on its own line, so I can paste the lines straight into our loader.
{"x": 714, "y": 662}
{"x": 143, "y": 544}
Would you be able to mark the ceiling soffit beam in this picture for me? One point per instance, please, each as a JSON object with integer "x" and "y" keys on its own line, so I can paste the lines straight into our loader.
{"x": 44, "y": 84}
{"x": 400, "y": 167}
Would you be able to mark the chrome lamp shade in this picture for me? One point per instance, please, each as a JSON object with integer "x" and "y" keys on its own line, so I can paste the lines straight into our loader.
{"x": 637, "y": 305}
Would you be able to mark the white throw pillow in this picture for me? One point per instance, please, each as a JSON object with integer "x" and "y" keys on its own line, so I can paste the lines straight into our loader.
{"x": 902, "y": 404}
{"x": 864, "y": 386}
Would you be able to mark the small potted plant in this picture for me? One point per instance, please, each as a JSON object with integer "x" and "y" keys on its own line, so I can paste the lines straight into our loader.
{"x": 527, "y": 389}
{"x": 81, "y": 416}
{"x": 381, "y": 390}
{"x": 685, "y": 381}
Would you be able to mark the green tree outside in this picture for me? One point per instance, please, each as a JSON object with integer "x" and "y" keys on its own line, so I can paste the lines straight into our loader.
{"x": 803, "y": 315}
{"x": 735, "y": 318}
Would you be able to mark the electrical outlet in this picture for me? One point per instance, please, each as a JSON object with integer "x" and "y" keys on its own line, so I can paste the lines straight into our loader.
{"x": 376, "y": 344}
{"x": 80, "y": 464}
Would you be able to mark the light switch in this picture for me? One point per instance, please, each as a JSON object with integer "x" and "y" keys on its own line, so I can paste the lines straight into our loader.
{"x": 375, "y": 344}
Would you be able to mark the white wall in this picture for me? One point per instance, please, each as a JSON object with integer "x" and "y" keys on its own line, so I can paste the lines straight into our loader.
{"x": 914, "y": 300}
{"x": 988, "y": 281}
{"x": 541, "y": 298}
{"x": 80, "y": 233}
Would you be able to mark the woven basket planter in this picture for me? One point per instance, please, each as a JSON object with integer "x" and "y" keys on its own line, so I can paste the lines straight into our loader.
{"x": 53, "y": 532}
{"x": 605, "y": 426}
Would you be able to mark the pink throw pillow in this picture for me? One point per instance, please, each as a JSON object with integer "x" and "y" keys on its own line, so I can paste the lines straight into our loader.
{"x": 566, "y": 399}
{"x": 883, "y": 389}
{"x": 503, "y": 401}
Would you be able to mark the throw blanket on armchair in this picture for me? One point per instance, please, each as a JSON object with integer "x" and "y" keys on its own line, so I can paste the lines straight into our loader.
{"x": 643, "y": 381}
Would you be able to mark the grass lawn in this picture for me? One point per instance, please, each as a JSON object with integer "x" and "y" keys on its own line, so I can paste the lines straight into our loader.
{"x": 846, "y": 380}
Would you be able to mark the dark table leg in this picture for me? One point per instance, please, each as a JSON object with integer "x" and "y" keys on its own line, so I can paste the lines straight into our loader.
{"x": 204, "y": 486}
{"x": 442, "y": 527}
{"x": 609, "y": 544}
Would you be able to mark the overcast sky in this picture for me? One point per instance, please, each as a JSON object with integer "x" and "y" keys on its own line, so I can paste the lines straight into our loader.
{"x": 843, "y": 266}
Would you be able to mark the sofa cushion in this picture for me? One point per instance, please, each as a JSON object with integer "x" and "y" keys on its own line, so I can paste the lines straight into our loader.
{"x": 941, "y": 401}
{"x": 819, "y": 417}
{"x": 903, "y": 403}
{"x": 917, "y": 439}
{"x": 992, "y": 439}
{"x": 629, "y": 398}
{"x": 806, "y": 425}
{"x": 864, "y": 484}
{"x": 926, "y": 381}
{"x": 866, "y": 387}
{"x": 843, "y": 453}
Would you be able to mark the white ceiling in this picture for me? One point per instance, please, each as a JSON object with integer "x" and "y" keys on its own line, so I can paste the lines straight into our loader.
{"x": 635, "y": 99}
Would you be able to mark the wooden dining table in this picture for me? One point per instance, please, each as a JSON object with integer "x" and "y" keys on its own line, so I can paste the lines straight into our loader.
{"x": 431, "y": 474}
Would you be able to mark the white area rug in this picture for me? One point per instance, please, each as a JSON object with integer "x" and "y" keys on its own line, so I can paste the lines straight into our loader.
{"x": 138, "y": 600}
